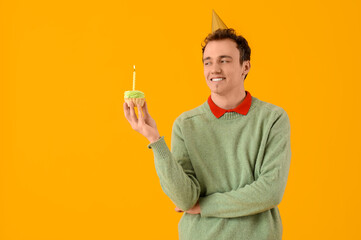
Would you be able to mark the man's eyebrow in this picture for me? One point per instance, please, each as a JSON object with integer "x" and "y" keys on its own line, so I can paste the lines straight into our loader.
{"x": 225, "y": 56}
{"x": 206, "y": 58}
{"x": 222, "y": 56}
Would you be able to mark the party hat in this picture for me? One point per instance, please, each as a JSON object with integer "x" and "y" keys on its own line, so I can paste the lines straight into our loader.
{"x": 217, "y": 22}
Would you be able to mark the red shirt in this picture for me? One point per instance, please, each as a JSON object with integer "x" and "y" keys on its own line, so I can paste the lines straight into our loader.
{"x": 242, "y": 108}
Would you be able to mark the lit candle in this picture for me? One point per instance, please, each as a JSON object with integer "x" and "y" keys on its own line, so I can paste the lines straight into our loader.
{"x": 134, "y": 78}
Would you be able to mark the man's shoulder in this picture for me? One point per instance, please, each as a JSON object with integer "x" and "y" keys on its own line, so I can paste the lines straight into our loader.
{"x": 271, "y": 113}
{"x": 267, "y": 107}
{"x": 197, "y": 111}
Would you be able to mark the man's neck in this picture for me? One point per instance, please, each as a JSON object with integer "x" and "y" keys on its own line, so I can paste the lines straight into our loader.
{"x": 230, "y": 101}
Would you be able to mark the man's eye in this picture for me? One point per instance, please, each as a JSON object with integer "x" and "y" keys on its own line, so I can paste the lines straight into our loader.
{"x": 206, "y": 63}
{"x": 224, "y": 61}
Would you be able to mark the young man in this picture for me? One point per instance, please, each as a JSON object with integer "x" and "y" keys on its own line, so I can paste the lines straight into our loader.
{"x": 230, "y": 156}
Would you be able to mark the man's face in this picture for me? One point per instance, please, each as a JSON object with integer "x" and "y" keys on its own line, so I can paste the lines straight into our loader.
{"x": 222, "y": 69}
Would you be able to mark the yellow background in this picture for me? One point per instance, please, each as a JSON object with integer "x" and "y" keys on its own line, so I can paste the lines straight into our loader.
{"x": 73, "y": 168}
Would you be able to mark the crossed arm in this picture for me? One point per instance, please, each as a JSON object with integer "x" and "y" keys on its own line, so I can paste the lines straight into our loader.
{"x": 264, "y": 193}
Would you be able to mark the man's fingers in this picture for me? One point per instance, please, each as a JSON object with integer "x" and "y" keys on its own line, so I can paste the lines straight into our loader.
{"x": 126, "y": 111}
{"x": 178, "y": 209}
{"x": 140, "y": 114}
{"x": 145, "y": 108}
{"x": 133, "y": 116}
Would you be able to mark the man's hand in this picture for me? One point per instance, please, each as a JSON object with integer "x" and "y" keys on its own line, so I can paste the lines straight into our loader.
{"x": 196, "y": 209}
{"x": 145, "y": 125}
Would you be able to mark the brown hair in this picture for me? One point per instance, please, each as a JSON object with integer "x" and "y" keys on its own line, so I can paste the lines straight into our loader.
{"x": 230, "y": 33}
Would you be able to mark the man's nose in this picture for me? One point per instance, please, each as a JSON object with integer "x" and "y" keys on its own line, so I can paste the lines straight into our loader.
{"x": 216, "y": 68}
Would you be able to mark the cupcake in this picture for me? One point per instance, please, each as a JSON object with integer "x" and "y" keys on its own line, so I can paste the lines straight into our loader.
{"x": 137, "y": 97}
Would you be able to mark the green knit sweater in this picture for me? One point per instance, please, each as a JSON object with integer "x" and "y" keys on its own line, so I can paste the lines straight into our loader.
{"x": 236, "y": 166}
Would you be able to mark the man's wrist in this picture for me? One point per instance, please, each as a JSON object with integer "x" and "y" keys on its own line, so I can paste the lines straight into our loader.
{"x": 154, "y": 139}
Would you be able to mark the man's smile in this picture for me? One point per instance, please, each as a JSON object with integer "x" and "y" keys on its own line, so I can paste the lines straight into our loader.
{"x": 217, "y": 79}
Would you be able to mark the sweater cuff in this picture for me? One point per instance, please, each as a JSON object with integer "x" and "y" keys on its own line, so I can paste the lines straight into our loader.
{"x": 202, "y": 205}
{"x": 160, "y": 148}
{"x": 209, "y": 206}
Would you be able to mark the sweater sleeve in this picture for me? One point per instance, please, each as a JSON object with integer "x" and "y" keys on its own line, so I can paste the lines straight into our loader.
{"x": 267, "y": 190}
{"x": 175, "y": 171}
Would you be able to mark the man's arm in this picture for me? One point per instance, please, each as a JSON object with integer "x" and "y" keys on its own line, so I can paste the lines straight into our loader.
{"x": 175, "y": 171}
{"x": 264, "y": 193}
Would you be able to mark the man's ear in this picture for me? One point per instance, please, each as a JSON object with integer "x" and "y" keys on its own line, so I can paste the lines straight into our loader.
{"x": 246, "y": 65}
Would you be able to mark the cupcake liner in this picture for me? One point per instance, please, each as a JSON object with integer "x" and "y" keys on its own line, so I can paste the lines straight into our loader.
{"x": 136, "y": 101}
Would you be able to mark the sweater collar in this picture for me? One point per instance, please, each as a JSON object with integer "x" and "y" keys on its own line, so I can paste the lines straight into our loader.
{"x": 242, "y": 108}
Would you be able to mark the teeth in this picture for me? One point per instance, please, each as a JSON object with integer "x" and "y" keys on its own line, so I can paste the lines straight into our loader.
{"x": 217, "y": 79}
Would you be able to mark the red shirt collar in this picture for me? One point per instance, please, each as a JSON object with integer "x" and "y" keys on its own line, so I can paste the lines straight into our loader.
{"x": 242, "y": 108}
